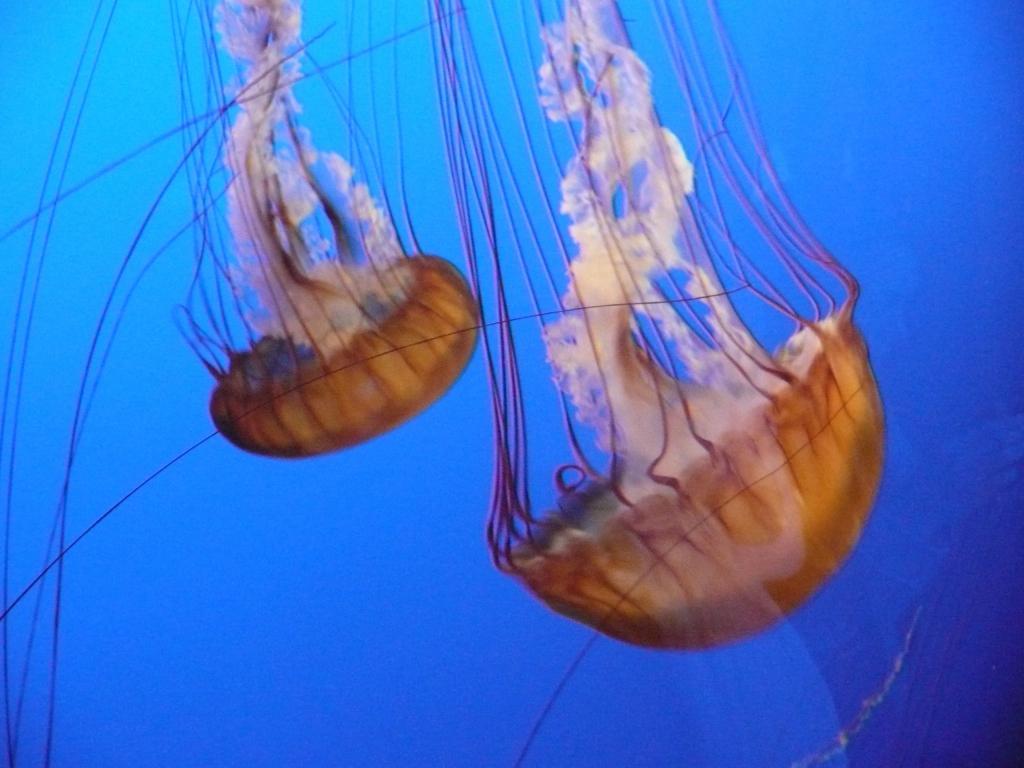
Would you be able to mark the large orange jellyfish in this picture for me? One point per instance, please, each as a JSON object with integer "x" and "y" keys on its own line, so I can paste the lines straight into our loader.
{"x": 347, "y": 337}
{"x": 735, "y": 478}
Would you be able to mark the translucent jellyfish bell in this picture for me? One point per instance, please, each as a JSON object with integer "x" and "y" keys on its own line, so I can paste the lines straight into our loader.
{"x": 736, "y": 479}
{"x": 348, "y": 336}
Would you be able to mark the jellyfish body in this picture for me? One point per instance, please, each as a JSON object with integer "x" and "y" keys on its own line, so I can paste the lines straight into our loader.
{"x": 737, "y": 479}
{"x": 347, "y": 335}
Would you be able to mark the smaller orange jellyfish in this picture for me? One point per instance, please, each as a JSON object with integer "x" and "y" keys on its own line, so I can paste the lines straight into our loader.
{"x": 348, "y": 336}
{"x": 737, "y": 479}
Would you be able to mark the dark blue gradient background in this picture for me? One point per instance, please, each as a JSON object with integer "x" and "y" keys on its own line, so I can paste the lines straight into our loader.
{"x": 342, "y": 611}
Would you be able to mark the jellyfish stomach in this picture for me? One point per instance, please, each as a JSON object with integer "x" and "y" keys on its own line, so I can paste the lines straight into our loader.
{"x": 292, "y": 398}
{"x": 693, "y": 545}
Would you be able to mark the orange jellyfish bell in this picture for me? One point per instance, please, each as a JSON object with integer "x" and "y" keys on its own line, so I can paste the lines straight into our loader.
{"x": 734, "y": 516}
{"x": 737, "y": 479}
{"x": 348, "y": 336}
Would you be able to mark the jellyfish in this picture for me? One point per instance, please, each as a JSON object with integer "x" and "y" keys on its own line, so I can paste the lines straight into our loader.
{"x": 729, "y": 477}
{"x": 347, "y": 336}
{"x": 321, "y": 329}
{"x": 227, "y": 584}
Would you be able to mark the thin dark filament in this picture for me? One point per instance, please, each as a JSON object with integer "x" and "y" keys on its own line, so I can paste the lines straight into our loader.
{"x": 502, "y": 489}
{"x": 10, "y": 724}
{"x": 32, "y": 303}
{"x": 400, "y": 128}
{"x": 460, "y": 151}
{"x": 549, "y": 209}
{"x": 731, "y": 162}
{"x": 814, "y": 250}
{"x": 510, "y": 478}
{"x": 207, "y": 237}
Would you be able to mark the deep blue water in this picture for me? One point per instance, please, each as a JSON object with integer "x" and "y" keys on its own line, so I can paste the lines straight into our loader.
{"x": 242, "y": 611}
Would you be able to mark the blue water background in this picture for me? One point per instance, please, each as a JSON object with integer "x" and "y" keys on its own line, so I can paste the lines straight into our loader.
{"x": 342, "y": 611}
